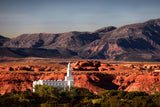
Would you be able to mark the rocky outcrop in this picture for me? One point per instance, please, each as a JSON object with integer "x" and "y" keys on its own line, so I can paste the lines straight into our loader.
{"x": 86, "y": 65}
{"x": 148, "y": 82}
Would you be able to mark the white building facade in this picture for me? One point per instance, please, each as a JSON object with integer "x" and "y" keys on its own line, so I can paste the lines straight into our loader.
{"x": 68, "y": 82}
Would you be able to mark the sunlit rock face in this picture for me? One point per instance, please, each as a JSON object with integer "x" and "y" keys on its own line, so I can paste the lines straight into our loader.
{"x": 147, "y": 82}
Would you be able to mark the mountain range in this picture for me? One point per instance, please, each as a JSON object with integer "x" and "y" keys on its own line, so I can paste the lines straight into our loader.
{"x": 133, "y": 42}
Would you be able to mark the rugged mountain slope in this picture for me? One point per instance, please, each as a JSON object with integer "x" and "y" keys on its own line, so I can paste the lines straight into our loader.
{"x": 52, "y": 41}
{"x": 31, "y": 40}
{"x": 139, "y": 41}
{"x": 73, "y": 40}
{"x": 3, "y": 40}
{"x": 134, "y": 42}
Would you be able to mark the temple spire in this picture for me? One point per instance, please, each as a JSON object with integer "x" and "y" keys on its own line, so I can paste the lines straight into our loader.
{"x": 69, "y": 70}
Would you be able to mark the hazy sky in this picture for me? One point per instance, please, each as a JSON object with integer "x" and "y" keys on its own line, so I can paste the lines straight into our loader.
{"x": 54, "y": 16}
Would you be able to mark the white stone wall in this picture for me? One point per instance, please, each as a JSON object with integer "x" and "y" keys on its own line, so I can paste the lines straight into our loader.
{"x": 58, "y": 83}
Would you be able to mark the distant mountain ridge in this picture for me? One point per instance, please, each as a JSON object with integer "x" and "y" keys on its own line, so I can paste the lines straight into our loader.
{"x": 3, "y": 40}
{"x": 133, "y": 42}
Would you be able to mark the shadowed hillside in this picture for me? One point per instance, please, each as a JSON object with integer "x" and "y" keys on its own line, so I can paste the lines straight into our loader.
{"x": 3, "y": 40}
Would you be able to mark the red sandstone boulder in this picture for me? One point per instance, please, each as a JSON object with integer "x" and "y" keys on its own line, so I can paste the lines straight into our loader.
{"x": 36, "y": 70}
{"x": 86, "y": 65}
{"x": 24, "y": 68}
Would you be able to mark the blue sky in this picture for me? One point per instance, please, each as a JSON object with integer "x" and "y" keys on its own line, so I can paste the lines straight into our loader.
{"x": 56, "y": 16}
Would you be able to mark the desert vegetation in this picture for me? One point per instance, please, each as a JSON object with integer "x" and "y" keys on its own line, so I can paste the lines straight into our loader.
{"x": 78, "y": 97}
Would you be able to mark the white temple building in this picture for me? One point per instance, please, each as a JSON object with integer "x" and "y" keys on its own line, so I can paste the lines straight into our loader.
{"x": 68, "y": 82}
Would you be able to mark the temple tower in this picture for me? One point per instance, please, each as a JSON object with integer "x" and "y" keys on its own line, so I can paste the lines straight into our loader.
{"x": 69, "y": 70}
{"x": 69, "y": 78}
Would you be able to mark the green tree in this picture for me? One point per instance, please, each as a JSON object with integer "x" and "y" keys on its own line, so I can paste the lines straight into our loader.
{"x": 48, "y": 91}
{"x": 132, "y": 94}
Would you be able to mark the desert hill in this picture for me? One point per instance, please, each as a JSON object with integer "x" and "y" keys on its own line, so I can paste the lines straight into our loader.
{"x": 133, "y": 42}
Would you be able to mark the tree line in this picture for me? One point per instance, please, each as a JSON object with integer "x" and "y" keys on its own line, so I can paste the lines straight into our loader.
{"x": 78, "y": 97}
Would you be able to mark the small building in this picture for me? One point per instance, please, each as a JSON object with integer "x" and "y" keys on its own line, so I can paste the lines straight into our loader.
{"x": 68, "y": 82}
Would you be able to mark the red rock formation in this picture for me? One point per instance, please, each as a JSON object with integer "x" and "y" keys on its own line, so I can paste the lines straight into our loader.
{"x": 86, "y": 65}
{"x": 26, "y": 68}
{"x": 23, "y": 81}
{"x": 132, "y": 80}
{"x": 146, "y": 82}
